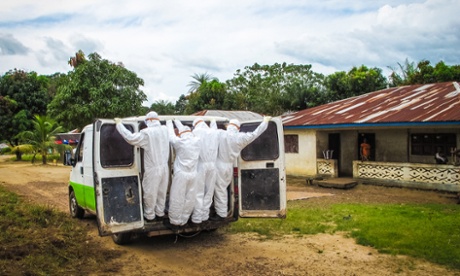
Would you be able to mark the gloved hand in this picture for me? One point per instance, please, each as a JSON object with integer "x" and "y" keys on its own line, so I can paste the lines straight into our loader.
{"x": 117, "y": 120}
{"x": 213, "y": 120}
{"x": 267, "y": 118}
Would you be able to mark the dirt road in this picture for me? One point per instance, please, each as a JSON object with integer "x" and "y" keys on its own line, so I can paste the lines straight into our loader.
{"x": 219, "y": 253}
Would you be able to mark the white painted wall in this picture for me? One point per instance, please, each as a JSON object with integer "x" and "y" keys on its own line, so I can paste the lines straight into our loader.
{"x": 304, "y": 162}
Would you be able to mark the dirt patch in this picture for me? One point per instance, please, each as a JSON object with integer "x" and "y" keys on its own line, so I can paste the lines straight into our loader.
{"x": 219, "y": 253}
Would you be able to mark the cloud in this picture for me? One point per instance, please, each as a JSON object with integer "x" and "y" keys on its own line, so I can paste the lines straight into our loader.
{"x": 11, "y": 46}
{"x": 166, "y": 42}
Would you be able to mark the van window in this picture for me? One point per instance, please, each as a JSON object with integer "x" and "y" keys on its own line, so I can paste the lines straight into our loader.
{"x": 79, "y": 151}
{"x": 265, "y": 147}
{"x": 115, "y": 151}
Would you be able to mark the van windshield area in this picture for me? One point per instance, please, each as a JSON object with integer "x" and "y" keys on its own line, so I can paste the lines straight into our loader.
{"x": 115, "y": 151}
{"x": 265, "y": 147}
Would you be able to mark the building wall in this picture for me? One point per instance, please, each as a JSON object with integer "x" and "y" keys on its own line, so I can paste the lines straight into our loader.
{"x": 391, "y": 145}
{"x": 302, "y": 163}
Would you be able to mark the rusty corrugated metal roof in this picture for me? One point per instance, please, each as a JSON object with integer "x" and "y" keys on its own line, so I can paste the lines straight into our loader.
{"x": 434, "y": 103}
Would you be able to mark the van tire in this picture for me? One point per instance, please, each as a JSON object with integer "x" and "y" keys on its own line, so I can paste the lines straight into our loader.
{"x": 122, "y": 238}
{"x": 75, "y": 210}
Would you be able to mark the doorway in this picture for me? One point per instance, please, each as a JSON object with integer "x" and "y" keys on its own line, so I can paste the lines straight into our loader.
{"x": 334, "y": 145}
{"x": 370, "y": 138}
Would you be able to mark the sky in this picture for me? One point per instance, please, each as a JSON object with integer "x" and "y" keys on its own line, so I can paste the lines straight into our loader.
{"x": 167, "y": 42}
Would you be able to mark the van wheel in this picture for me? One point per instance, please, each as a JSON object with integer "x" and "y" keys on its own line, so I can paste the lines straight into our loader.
{"x": 122, "y": 238}
{"x": 75, "y": 210}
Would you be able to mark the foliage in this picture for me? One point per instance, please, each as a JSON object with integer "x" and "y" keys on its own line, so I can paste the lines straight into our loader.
{"x": 357, "y": 81}
{"x": 22, "y": 94}
{"x": 198, "y": 80}
{"x": 37, "y": 240}
{"x": 274, "y": 89}
{"x": 24, "y": 148}
{"x": 42, "y": 136}
{"x": 97, "y": 88}
{"x": 424, "y": 73}
{"x": 210, "y": 95}
{"x": 163, "y": 107}
{"x": 428, "y": 231}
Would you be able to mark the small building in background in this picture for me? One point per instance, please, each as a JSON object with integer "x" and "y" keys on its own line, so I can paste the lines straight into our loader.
{"x": 405, "y": 126}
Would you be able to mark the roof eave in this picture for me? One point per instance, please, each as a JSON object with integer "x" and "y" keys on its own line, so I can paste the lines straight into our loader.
{"x": 377, "y": 125}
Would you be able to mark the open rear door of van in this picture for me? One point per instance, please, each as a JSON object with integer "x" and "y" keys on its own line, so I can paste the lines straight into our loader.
{"x": 116, "y": 179}
{"x": 261, "y": 173}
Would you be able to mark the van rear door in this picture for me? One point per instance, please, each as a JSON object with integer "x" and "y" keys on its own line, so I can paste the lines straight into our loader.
{"x": 116, "y": 179}
{"x": 261, "y": 173}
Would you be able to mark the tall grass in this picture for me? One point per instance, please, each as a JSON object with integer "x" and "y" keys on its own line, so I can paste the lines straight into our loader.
{"x": 427, "y": 231}
{"x": 36, "y": 240}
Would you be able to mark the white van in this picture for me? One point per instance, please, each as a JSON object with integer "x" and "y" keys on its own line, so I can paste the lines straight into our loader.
{"x": 106, "y": 178}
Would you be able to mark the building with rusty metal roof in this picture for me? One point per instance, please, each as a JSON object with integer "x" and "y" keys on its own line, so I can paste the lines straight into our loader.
{"x": 404, "y": 125}
{"x": 414, "y": 105}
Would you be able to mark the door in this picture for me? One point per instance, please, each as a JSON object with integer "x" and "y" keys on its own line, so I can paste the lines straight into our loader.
{"x": 81, "y": 178}
{"x": 261, "y": 173}
{"x": 116, "y": 180}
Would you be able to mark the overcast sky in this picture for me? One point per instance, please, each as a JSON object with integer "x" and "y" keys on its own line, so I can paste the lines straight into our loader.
{"x": 166, "y": 42}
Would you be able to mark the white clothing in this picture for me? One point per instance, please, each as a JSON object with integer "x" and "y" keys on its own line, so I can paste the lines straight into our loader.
{"x": 209, "y": 142}
{"x": 183, "y": 190}
{"x": 154, "y": 140}
{"x": 231, "y": 142}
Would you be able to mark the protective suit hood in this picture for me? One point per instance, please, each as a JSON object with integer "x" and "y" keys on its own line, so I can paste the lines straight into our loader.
{"x": 233, "y": 126}
{"x": 199, "y": 123}
{"x": 151, "y": 119}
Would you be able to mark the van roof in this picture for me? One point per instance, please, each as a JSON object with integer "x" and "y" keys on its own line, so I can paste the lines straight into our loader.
{"x": 180, "y": 117}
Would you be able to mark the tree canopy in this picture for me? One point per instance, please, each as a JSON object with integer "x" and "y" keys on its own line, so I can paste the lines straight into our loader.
{"x": 96, "y": 88}
{"x": 22, "y": 95}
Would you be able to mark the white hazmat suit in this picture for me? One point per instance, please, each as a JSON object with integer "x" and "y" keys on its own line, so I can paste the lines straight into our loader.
{"x": 209, "y": 142}
{"x": 231, "y": 142}
{"x": 183, "y": 191}
{"x": 154, "y": 140}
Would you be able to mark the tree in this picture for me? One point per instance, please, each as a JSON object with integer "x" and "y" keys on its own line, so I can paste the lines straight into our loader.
{"x": 22, "y": 94}
{"x": 407, "y": 69}
{"x": 97, "y": 88}
{"x": 210, "y": 95}
{"x": 358, "y": 81}
{"x": 424, "y": 73}
{"x": 198, "y": 80}
{"x": 163, "y": 107}
{"x": 274, "y": 89}
{"x": 42, "y": 136}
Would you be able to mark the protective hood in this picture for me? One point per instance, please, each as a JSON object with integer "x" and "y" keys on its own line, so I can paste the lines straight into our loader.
{"x": 233, "y": 126}
{"x": 151, "y": 119}
{"x": 199, "y": 123}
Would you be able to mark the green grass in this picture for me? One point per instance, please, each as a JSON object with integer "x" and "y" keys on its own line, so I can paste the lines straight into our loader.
{"x": 426, "y": 231}
{"x": 38, "y": 157}
{"x": 37, "y": 240}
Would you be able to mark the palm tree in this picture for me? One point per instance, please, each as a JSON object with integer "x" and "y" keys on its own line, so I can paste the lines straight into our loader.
{"x": 198, "y": 80}
{"x": 42, "y": 136}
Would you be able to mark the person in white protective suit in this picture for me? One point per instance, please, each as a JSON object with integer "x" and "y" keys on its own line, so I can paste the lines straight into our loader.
{"x": 231, "y": 143}
{"x": 183, "y": 191}
{"x": 206, "y": 178}
{"x": 154, "y": 140}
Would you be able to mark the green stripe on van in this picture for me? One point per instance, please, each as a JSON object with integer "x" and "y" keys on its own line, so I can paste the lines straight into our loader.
{"x": 85, "y": 195}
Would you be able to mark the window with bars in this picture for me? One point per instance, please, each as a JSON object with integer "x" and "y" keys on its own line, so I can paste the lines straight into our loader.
{"x": 291, "y": 143}
{"x": 428, "y": 143}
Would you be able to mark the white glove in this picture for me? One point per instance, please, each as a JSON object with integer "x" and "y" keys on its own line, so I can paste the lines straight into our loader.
{"x": 117, "y": 120}
{"x": 213, "y": 120}
{"x": 267, "y": 118}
